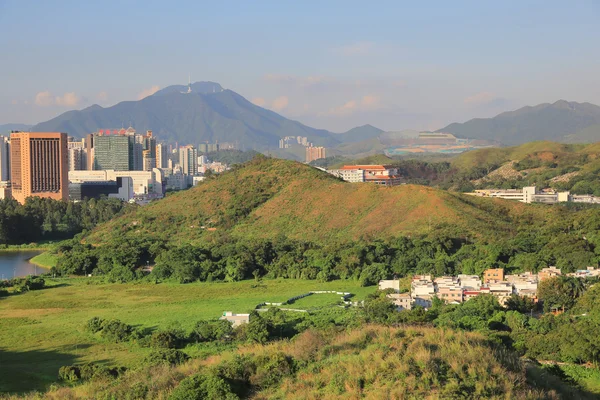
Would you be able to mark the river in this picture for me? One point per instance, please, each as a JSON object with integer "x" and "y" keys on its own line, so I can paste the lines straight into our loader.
{"x": 16, "y": 263}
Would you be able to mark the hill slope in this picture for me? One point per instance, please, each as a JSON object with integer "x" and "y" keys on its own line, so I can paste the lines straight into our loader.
{"x": 209, "y": 113}
{"x": 271, "y": 197}
{"x": 560, "y": 121}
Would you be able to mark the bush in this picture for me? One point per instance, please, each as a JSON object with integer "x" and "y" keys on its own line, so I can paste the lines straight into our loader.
{"x": 201, "y": 386}
{"x": 166, "y": 356}
{"x": 206, "y": 331}
{"x": 95, "y": 324}
{"x": 73, "y": 373}
{"x": 116, "y": 331}
{"x": 169, "y": 339}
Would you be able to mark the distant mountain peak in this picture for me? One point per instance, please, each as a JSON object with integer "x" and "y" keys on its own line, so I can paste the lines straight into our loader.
{"x": 202, "y": 87}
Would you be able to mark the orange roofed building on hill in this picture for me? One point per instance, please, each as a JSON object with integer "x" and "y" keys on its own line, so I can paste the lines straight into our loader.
{"x": 378, "y": 174}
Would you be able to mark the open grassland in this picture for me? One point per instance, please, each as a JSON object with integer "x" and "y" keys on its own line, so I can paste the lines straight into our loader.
{"x": 40, "y": 331}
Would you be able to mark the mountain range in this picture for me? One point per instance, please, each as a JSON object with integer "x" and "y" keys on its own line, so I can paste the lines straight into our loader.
{"x": 563, "y": 121}
{"x": 206, "y": 112}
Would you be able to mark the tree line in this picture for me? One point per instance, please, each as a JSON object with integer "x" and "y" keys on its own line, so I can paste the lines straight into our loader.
{"x": 47, "y": 219}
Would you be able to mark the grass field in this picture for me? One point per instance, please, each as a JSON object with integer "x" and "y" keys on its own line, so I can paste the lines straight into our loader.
{"x": 42, "y": 330}
{"x": 45, "y": 260}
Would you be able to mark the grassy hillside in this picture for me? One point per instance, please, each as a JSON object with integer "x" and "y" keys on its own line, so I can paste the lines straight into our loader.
{"x": 572, "y": 167}
{"x": 271, "y": 197}
{"x": 41, "y": 331}
{"x": 371, "y": 362}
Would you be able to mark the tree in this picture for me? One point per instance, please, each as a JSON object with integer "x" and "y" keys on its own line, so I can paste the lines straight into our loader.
{"x": 560, "y": 292}
{"x": 518, "y": 303}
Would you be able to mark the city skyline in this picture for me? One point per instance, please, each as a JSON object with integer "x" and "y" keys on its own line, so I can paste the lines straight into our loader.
{"x": 333, "y": 66}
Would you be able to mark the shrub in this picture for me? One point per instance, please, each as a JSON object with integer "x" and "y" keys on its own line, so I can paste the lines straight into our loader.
{"x": 169, "y": 339}
{"x": 116, "y": 331}
{"x": 201, "y": 386}
{"x": 166, "y": 356}
{"x": 72, "y": 373}
{"x": 206, "y": 331}
{"x": 95, "y": 324}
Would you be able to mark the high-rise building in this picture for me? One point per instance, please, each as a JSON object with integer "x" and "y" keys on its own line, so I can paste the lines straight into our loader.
{"x": 4, "y": 159}
{"x": 162, "y": 156}
{"x": 113, "y": 152}
{"x": 314, "y": 153}
{"x": 188, "y": 160}
{"x": 77, "y": 159}
{"x": 39, "y": 165}
{"x": 89, "y": 150}
{"x": 149, "y": 152}
{"x": 208, "y": 147}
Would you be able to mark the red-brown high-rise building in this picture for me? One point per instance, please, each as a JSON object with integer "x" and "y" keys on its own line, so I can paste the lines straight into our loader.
{"x": 39, "y": 165}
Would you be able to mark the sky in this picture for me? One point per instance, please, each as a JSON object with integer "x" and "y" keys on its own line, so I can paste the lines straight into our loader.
{"x": 329, "y": 64}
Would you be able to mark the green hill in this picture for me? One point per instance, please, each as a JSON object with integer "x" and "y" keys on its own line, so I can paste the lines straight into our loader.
{"x": 270, "y": 197}
{"x": 560, "y": 166}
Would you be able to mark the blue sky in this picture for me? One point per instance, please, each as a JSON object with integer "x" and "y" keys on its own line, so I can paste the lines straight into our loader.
{"x": 329, "y": 64}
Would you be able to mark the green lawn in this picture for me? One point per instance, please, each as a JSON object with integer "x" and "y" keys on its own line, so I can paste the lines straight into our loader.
{"x": 43, "y": 330}
{"x": 45, "y": 260}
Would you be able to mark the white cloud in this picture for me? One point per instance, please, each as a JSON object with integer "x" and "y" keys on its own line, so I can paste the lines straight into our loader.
{"x": 44, "y": 99}
{"x": 370, "y": 101}
{"x": 259, "y": 101}
{"x": 102, "y": 96}
{"x": 148, "y": 92}
{"x": 280, "y": 103}
{"x": 67, "y": 100}
{"x": 480, "y": 98}
{"x": 346, "y": 109}
{"x": 356, "y": 49}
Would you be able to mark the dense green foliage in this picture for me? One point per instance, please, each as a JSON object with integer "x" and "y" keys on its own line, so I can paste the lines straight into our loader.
{"x": 47, "y": 219}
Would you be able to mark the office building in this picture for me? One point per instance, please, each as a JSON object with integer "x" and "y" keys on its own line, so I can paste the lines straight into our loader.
{"x": 314, "y": 153}
{"x": 113, "y": 152}
{"x": 4, "y": 159}
{"x": 188, "y": 160}
{"x": 39, "y": 165}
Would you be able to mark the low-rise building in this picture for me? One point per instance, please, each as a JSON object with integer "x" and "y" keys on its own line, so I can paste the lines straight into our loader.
{"x": 235, "y": 319}
{"x": 549, "y": 272}
{"x": 470, "y": 282}
{"x": 390, "y": 284}
{"x": 378, "y": 174}
{"x": 403, "y": 301}
{"x": 493, "y": 275}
